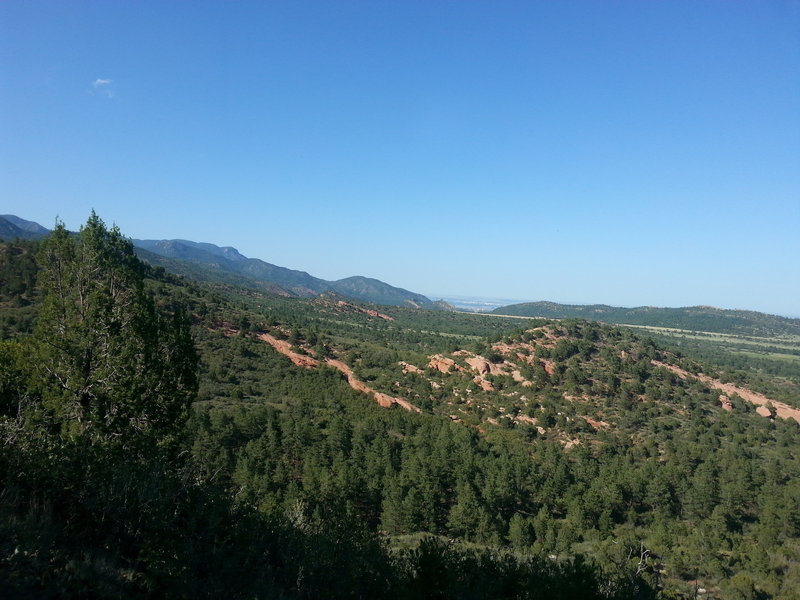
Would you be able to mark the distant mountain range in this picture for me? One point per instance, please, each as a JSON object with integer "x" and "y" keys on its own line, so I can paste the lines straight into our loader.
{"x": 695, "y": 318}
{"x": 226, "y": 265}
{"x": 209, "y": 262}
{"x": 14, "y": 228}
{"x": 220, "y": 263}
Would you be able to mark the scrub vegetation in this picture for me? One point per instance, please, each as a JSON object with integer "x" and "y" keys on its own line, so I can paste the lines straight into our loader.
{"x": 173, "y": 437}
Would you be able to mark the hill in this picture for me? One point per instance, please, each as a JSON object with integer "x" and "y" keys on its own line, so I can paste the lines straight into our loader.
{"x": 12, "y": 227}
{"x": 229, "y": 261}
{"x": 217, "y": 264}
{"x": 695, "y": 318}
{"x": 106, "y": 495}
{"x": 556, "y": 438}
{"x": 333, "y": 446}
{"x": 373, "y": 290}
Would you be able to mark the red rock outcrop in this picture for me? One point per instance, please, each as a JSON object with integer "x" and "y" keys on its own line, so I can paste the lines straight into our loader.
{"x": 443, "y": 364}
{"x": 781, "y": 409}
{"x": 308, "y": 362}
{"x": 285, "y": 348}
{"x": 409, "y": 368}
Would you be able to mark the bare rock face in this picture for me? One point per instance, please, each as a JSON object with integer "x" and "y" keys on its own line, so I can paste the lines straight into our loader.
{"x": 384, "y": 400}
{"x": 481, "y": 365}
{"x": 441, "y": 363}
{"x": 285, "y": 348}
{"x": 726, "y": 403}
{"x": 766, "y": 406}
{"x": 517, "y": 376}
{"x": 409, "y": 368}
{"x": 486, "y": 386}
{"x": 598, "y": 425}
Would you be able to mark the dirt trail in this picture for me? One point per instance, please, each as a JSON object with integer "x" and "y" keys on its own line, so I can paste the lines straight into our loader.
{"x": 782, "y": 410}
{"x": 302, "y": 360}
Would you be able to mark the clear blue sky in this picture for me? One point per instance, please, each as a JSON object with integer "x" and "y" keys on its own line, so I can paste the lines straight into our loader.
{"x": 623, "y": 152}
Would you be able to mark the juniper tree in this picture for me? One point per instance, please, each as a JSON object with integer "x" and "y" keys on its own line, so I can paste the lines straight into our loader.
{"x": 115, "y": 369}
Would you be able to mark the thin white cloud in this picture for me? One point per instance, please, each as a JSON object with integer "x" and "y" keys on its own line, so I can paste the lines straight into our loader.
{"x": 103, "y": 86}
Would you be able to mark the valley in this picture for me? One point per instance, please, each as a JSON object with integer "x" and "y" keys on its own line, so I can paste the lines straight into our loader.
{"x": 324, "y": 434}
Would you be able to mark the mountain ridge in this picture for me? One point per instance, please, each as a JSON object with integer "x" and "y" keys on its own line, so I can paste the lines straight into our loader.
{"x": 293, "y": 281}
{"x": 226, "y": 264}
{"x": 13, "y": 227}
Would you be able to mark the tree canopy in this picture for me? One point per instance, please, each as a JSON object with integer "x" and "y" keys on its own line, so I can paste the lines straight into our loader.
{"x": 112, "y": 366}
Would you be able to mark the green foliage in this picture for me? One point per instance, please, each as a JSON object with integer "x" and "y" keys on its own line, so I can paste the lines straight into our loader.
{"x": 110, "y": 366}
{"x": 18, "y": 294}
{"x": 695, "y": 318}
{"x": 603, "y": 476}
{"x": 210, "y": 263}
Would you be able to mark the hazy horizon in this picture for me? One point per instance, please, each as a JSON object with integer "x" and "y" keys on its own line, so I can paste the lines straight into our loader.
{"x": 491, "y": 301}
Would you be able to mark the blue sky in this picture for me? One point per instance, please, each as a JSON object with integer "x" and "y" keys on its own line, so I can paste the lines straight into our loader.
{"x": 620, "y": 152}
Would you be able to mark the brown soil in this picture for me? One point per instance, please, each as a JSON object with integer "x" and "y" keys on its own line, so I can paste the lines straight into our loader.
{"x": 782, "y": 410}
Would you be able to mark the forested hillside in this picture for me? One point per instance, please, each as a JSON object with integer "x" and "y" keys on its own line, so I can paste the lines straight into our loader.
{"x": 164, "y": 436}
{"x": 697, "y": 318}
{"x": 215, "y": 264}
{"x": 763, "y": 349}
{"x": 13, "y": 228}
{"x": 208, "y": 262}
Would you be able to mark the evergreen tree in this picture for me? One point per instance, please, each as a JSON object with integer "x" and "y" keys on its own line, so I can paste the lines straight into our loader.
{"x": 113, "y": 368}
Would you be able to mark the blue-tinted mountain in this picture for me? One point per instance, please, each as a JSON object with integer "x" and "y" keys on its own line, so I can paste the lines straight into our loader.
{"x": 219, "y": 263}
{"x": 379, "y": 292}
{"x": 229, "y": 260}
{"x": 14, "y": 228}
{"x": 210, "y": 262}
